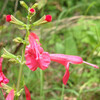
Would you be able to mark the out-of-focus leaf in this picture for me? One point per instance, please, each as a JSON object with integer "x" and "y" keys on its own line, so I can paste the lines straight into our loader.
{"x": 59, "y": 48}
{"x": 70, "y": 46}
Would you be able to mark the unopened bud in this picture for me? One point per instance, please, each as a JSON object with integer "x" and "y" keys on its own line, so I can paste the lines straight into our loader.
{"x": 24, "y": 4}
{"x": 15, "y": 21}
{"x": 32, "y": 11}
{"x": 35, "y": 5}
{"x": 8, "y": 18}
{"x": 43, "y": 20}
{"x": 48, "y": 18}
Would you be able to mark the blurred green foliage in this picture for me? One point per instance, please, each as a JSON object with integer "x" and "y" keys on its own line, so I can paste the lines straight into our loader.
{"x": 83, "y": 39}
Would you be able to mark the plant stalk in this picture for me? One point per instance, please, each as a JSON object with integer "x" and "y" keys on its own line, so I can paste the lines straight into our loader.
{"x": 62, "y": 94}
{"x": 41, "y": 84}
{"x": 21, "y": 69}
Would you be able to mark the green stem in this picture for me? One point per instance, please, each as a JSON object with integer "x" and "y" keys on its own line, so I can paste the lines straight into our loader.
{"x": 62, "y": 94}
{"x": 41, "y": 84}
{"x": 21, "y": 69}
{"x": 23, "y": 53}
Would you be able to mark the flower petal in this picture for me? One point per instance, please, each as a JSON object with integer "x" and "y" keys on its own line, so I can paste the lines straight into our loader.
{"x": 44, "y": 60}
{"x": 33, "y": 35}
{"x": 3, "y": 79}
{"x": 62, "y": 59}
{"x": 31, "y": 62}
{"x": 27, "y": 93}
{"x": 66, "y": 75}
{"x": 1, "y": 59}
{"x": 10, "y": 95}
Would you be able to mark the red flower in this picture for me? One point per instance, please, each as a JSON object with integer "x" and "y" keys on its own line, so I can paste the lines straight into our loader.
{"x": 35, "y": 56}
{"x": 8, "y": 18}
{"x": 10, "y": 95}
{"x": 27, "y": 93}
{"x": 48, "y": 18}
{"x": 3, "y": 79}
{"x": 66, "y": 60}
{"x": 32, "y": 10}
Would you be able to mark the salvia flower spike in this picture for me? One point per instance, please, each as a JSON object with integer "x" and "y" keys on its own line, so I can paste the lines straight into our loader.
{"x": 34, "y": 54}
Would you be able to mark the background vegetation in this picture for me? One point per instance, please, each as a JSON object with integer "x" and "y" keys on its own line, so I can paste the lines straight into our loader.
{"x": 75, "y": 30}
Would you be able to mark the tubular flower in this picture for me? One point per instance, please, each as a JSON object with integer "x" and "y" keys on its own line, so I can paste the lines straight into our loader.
{"x": 10, "y": 95}
{"x": 35, "y": 56}
{"x": 32, "y": 10}
{"x": 8, "y": 18}
{"x": 66, "y": 60}
{"x": 3, "y": 79}
{"x": 27, "y": 93}
{"x": 48, "y": 18}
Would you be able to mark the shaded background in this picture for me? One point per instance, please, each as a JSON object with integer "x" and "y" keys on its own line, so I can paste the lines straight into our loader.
{"x": 75, "y": 30}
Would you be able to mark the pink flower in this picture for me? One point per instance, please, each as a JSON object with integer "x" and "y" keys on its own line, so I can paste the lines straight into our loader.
{"x": 48, "y": 18}
{"x": 10, "y": 95}
{"x": 27, "y": 93}
{"x": 8, "y": 18}
{"x": 35, "y": 56}
{"x": 66, "y": 60}
{"x": 3, "y": 79}
{"x": 32, "y": 10}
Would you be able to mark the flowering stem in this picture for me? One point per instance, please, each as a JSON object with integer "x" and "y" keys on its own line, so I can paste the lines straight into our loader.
{"x": 62, "y": 94}
{"x": 41, "y": 84}
{"x": 23, "y": 53}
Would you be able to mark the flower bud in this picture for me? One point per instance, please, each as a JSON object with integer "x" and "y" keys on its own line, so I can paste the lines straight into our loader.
{"x": 32, "y": 11}
{"x": 43, "y": 20}
{"x": 12, "y": 19}
{"x": 35, "y": 5}
{"x": 48, "y": 18}
{"x": 20, "y": 40}
{"x": 24, "y": 4}
{"x": 8, "y": 18}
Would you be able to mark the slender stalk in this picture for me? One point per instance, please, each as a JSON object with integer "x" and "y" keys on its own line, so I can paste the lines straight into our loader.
{"x": 20, "y": 70}
{"x": 41, "y": 84}
{"x": 62, "y": 94}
